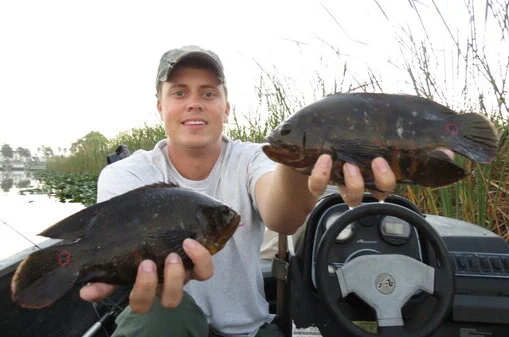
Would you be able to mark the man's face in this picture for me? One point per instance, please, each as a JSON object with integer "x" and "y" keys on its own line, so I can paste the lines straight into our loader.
{"x": 193, "y": 107}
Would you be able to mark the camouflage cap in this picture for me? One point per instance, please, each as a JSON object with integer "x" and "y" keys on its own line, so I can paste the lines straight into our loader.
{"x": 172, "y": 57}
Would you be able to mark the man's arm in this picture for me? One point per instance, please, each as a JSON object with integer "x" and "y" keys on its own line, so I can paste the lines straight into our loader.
{"x": 285, "y": 197}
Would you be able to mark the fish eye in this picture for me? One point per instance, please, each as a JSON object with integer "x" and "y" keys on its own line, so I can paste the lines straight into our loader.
{"x": 225, "y": 210}
{"x": 285, "y": 130}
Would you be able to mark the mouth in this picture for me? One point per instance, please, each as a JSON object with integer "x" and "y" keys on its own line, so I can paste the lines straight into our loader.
{"x": 216, "y": 245}
{"x": 283, "y": 155}
{"x": 194, "y": 122}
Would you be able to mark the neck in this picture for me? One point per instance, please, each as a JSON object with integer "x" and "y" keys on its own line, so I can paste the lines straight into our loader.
{"x": 194, "y": 163}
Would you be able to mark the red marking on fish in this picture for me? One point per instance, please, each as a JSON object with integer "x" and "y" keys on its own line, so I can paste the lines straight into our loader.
{"x": 64, "y": 258}
{"x": 452, "y": 128}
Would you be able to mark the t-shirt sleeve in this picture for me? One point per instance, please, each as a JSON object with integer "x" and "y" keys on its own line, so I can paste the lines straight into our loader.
{"x": 259, "y": 165}
{"x": 114, "y": 181}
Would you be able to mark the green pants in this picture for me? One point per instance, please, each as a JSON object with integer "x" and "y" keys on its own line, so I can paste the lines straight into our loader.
{"x": 186, "y": 320}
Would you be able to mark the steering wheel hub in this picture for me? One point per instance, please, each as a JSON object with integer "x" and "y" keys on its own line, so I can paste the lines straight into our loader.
{"x": 385, "y": 283}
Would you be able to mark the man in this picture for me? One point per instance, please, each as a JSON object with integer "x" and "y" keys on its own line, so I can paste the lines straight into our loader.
{"x": 193, "y": 105}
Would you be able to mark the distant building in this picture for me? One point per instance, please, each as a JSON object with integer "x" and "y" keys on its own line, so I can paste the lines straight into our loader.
{"x": 18, "y": 162}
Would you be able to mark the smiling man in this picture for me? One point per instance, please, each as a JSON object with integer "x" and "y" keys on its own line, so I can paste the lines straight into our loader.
{"x": 225, "y": 295}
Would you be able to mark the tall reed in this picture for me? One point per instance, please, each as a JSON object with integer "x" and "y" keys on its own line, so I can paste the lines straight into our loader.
{"x": 481, "y": 198}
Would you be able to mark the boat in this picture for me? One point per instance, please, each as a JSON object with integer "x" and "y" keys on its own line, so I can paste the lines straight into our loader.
{"x": 476, "y": 301}
{"x": 347, "y": 274}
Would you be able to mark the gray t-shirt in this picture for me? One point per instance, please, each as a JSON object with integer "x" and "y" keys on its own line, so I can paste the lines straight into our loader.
{"x": 233, "y": 299}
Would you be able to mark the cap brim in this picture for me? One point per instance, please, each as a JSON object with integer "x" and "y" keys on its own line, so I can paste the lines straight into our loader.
{"x": 218, "y": 68}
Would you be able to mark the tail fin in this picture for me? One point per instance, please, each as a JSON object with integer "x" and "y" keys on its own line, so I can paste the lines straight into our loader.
{"x": 476, "y": 138}
{"x": 44, "y": 276}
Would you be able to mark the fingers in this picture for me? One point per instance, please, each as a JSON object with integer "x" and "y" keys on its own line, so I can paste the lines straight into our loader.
{"x": 146, "y": 285}
{"x": 144, "y": 289}
{"x": 448, "y": 152}
{"x": 320, "y": 175}
{"x": 385, "y": 180}
{"x": 93, "y": 292}
{"x": 174, "y": 276}
{"x": 352, "y": 191}
{"x": 203, "y": 267}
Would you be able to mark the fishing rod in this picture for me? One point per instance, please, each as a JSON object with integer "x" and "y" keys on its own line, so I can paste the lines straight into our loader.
{"x": 14, "y": 229}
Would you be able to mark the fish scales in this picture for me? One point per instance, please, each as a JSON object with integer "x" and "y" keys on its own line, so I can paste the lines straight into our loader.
{"x": 107, "y": 241}
{"x": 406, "y": 130}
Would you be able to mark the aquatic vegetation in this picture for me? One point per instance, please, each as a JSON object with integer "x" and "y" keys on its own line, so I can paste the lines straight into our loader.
{"x": 67, "y": 187}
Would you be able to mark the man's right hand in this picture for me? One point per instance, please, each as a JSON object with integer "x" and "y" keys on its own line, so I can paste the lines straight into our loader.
{"x": 146, "y": 285}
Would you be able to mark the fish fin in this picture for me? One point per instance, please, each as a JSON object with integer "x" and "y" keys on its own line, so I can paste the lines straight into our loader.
{"x": 44, "y": 276}
{"x": 438, "y": 170}
{"x": 358, "y": 152}
{"x": 160, "y": 184}
{"x": 171, "y": 241}
{"x": 476, "y": 137}
{"x": 426, "y": 103}
{"x": 75, "y": 226}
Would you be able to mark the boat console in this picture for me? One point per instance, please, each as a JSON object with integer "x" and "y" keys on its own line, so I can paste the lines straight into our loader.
{"x": 413, "y": 274}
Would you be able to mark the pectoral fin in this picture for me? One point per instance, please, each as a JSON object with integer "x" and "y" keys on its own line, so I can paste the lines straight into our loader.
{"x": 438, "y": 170}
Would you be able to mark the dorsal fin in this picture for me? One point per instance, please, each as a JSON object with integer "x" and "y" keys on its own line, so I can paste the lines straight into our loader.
{"x": 75, "y": 226}
{"x": 160, "y": 184}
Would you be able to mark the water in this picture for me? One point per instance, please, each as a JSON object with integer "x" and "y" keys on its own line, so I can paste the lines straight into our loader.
{"x": 27, "y": 214}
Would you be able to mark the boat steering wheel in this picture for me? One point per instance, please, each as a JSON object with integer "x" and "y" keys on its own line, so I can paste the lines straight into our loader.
{"x": 386, "y": 282}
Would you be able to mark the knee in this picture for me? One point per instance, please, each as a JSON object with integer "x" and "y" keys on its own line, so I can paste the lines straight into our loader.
{"x": 187, "y": 319}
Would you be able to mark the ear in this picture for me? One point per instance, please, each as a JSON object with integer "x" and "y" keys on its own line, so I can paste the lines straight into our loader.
{"x": 159, "y": 108}
{"x": 226, "y": 112}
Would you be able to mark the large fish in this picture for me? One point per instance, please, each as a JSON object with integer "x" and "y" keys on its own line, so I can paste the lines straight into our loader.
{"x": 406, "y": 130}
{"x": 107, "y": 241}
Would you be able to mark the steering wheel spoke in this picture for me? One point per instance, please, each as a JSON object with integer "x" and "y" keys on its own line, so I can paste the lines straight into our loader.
{"x": 385, "y": 282}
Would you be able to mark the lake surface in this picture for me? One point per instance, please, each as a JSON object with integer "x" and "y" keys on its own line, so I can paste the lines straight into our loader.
{"x": 22, "y": 217}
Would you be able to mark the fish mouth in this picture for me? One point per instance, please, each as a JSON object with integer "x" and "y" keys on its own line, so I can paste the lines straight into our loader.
{"x": 293, "y": 156}
{"x": 215, "y": 245}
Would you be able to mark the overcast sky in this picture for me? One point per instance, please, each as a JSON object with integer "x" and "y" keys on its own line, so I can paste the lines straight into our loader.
{"x": 71, "y": 67}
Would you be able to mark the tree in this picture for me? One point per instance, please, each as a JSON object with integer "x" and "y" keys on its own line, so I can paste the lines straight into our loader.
{"x": 7, "y": 151}
{"x": 93, "y": 140}
{"x": 47, "y": 151}
{"x": 23, "y": 152}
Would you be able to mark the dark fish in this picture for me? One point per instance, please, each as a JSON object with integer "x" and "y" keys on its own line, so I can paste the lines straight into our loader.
{"x": 107, "y": 241}
{"x": 406, "y": 130}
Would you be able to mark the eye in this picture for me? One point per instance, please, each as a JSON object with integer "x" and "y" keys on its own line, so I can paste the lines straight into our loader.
{"x": 178, "y": 93}
{"x": 285, "y": 130}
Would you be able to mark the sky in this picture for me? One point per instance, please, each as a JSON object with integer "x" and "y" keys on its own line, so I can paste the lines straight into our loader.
{"x": 70, "y": 67}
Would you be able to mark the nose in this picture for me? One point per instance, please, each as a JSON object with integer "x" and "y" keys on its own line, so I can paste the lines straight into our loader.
{"x": 194, "y": 103}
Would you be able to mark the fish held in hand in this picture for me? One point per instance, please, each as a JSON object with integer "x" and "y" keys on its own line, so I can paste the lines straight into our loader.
{"x": 408, "y": 131}
{"x": 107, "y": 241}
